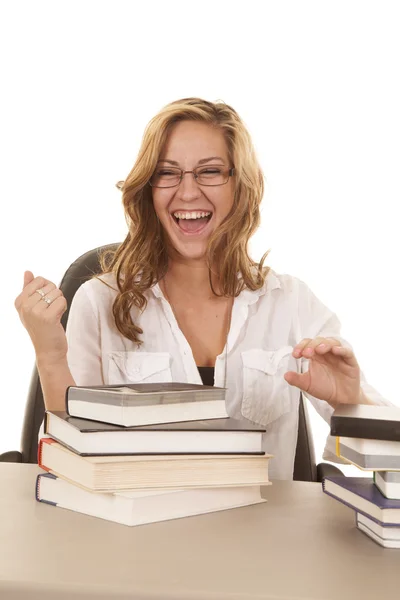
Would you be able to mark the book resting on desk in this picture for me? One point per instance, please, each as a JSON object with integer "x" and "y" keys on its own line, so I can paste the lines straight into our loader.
{"x": 100, "y": 462}
{"x": 143, "y": 506}
{"x": 362, "y": 495}
{"x": 130, "y": 405}
{"x": 212, "y": 436}
{"x": 388, "y": 537}
{"x": 113, "y": 473}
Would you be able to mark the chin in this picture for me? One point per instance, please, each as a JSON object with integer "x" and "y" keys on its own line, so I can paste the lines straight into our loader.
{"x": 195, "y": 250}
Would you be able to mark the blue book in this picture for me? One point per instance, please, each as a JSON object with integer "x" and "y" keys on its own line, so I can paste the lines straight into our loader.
{"x": 362, "y": 495}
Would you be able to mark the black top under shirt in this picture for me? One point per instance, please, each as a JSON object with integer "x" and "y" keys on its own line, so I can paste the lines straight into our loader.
{"x": 207, "y": 375}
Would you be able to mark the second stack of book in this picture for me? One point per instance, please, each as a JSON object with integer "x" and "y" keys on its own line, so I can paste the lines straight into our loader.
{"x": 369, "y": 437}
{"x": 101, "y": 462}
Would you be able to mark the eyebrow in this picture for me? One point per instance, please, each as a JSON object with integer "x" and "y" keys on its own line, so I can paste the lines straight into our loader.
{"x": 200, "y": 162}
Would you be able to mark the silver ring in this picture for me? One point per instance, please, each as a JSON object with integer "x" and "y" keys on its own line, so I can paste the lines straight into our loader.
{"x": 47, "y": 300}
{"x": 41, "y": 293}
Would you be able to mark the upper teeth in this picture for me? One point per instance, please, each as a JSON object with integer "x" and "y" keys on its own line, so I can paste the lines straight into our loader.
{"x": 191, "y": 215}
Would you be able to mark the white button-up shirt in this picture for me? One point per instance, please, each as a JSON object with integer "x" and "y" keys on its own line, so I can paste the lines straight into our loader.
{"x": 265, "y": 326}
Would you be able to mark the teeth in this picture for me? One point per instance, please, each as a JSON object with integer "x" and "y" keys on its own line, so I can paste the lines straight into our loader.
{"x": 191, "y": 215}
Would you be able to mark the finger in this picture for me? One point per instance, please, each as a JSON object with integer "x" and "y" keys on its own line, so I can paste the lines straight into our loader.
{"x": 25, "y": 304}
{"x": 320, "y": 344}
{"x": 27, "y": 298}
{"x": 28, "y": 277}
{"x": 298, "y": 349}
{"x": 39, "y": 294}
{"x": 36, "y": 284}
{"x": 325, "y": 345}
{"x": 299, "y": 380}
{"x": 346, "y": 354}
{"x": 43, "y": 301}
{"x": 54, "y": 310}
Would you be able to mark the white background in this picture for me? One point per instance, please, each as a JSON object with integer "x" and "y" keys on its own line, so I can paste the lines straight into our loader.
{"x": 316, "y": 82}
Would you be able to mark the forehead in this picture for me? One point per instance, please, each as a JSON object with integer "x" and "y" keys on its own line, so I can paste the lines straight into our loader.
{"x": 192, "y": 141}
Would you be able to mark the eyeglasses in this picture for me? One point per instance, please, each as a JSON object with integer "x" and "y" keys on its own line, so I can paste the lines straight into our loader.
{"x": 165, "y": 177}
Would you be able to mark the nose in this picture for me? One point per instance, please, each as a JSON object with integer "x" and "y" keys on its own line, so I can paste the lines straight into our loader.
{"x": 188, "y": 189}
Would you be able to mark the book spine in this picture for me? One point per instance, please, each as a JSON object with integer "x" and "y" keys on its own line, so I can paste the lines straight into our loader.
{"x": 371, "y": 429}
{"x": 37, "y": 488}
{"x": 66, "y": 400}
{"x": 338, "y": 447}
{"x": 46, "y": 422}
{"x": 40, "y": 451}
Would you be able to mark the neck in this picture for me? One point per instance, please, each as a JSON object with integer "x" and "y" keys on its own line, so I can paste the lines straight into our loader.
{"x": 192, "y": 277}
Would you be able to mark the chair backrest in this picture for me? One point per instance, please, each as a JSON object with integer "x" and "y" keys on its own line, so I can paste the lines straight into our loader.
{"x": 81, "y": 270}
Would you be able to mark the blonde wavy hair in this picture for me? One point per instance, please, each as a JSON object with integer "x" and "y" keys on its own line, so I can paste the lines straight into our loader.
{"x": 142, "y": 258}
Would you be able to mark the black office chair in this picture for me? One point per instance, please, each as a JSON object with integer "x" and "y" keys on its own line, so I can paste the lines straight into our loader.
{"x": 305, "y": 468}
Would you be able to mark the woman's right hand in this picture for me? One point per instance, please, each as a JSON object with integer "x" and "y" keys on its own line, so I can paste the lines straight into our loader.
{"x": 41, "y": 319}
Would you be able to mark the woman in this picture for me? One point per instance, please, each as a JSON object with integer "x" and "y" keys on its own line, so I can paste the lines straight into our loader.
{"x": 181, "y": 300}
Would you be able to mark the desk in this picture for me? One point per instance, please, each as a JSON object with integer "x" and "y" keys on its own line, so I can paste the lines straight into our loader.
{"x": 299, "y": 545}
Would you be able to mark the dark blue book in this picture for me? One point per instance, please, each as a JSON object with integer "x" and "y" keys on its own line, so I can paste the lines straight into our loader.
{"x": 362, "y": 495}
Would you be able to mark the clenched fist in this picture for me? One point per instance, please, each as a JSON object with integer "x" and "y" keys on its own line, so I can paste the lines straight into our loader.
{"x": 40, "y": 307}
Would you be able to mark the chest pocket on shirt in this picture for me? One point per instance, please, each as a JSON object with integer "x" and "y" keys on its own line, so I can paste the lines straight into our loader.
{"x": 266, "y": 394}
{"x": 139, "y": 367}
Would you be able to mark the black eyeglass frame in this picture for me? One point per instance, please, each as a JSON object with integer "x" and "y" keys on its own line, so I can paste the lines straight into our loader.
{"x": 231, "y": 172}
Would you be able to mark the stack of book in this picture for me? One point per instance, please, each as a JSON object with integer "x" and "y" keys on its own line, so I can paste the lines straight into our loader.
{"x": 369, "y": 438}
{"x": 142, "y": 453}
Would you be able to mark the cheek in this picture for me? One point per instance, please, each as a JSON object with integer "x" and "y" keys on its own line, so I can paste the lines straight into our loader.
{"x": 160, "y": 203}
{"x": 224, "y": 203}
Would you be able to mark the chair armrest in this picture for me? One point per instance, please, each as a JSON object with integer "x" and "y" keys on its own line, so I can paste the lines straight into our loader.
{"x": 13, "y": 456}
{"x": 327, "y": 470}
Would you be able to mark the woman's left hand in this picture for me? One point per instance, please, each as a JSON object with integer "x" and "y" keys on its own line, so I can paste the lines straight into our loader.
{"x": 333, "y": 374}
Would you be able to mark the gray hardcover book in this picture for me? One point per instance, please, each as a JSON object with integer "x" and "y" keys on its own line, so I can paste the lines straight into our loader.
{"x": 146, "y": 403}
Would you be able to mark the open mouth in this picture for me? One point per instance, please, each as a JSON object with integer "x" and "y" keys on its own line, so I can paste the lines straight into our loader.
{"x": 193, "y": 222}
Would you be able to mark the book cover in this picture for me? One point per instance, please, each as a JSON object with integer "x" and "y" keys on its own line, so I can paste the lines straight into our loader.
{"x": 362, "y": 495}
{"x": 144, "y": 506}
{"x": 367, "y": 421}
{"x": 208, "y": 436}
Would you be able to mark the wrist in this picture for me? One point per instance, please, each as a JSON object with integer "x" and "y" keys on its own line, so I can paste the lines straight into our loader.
{"x": 47, "y": 363}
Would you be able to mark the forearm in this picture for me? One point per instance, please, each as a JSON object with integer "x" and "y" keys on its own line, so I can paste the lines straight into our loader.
{"x": 54, "y": 379}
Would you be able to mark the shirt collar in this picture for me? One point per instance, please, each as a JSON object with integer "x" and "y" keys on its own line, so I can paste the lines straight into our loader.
{"x": 246, "y": 296}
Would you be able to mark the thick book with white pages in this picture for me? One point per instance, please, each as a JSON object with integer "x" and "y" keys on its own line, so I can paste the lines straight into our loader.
{"x": 388, "y": 537}
{"x": 369, "y": 455}
{"x": 367, "y": 421}
{"x": 130, "y": 405}
{"x": 143, "y": 506}
{"x": 212, "y": 436}
{"x": 114, "y": 473}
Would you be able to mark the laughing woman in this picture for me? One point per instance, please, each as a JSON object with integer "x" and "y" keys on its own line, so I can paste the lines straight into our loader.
{"x": 181, "y": 299}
